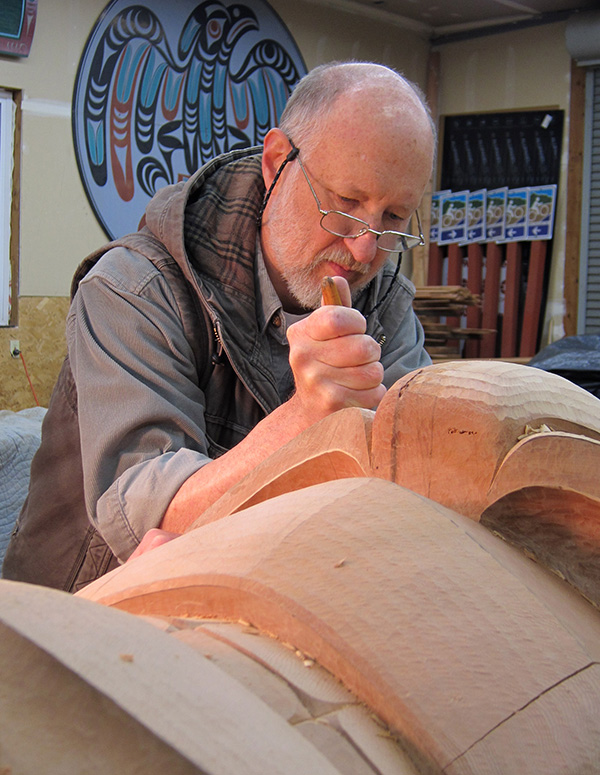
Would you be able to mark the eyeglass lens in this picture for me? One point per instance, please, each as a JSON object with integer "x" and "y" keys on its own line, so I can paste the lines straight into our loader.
{"x": 343, "y": 225}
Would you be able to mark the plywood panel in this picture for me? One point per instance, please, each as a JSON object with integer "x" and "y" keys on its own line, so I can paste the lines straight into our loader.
{"x": 41, "y": 333}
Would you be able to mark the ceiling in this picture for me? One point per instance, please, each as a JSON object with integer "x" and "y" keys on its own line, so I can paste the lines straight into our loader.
{"x": 439, "y": 19}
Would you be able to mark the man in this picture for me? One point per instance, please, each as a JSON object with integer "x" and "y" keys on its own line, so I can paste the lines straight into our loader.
{"x": 186, "y": 368}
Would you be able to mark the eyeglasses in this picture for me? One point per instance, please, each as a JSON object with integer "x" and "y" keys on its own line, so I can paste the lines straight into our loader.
{"x": 344, "y": 225}
{"x": 349, "y": 227}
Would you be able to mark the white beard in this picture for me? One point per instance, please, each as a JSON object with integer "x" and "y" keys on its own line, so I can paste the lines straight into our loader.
{"x": 304, "y": 282}
{"x": 301, "y": 274}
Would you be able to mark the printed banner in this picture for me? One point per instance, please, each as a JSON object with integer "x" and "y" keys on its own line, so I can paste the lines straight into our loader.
{"x": 516, "y": 214}
{"x": 495, "y": 220}
{"x": 540, "y": 220}
{"x": 453, "y": 209}
{"x": 496, "y": 215}
{"x": 476, "y": 216}
{"x": 436, "y": 215}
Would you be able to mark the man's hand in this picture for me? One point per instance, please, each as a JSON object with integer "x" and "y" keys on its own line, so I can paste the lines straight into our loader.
{"x": 153, "y": 538}
{"x": 335, "y": 364}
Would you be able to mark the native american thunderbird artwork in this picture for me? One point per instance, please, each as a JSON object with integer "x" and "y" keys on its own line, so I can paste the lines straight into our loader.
{"x": 164, "y": 87}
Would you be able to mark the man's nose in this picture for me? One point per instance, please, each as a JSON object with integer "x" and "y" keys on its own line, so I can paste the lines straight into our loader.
{"x": 363, "y": 248}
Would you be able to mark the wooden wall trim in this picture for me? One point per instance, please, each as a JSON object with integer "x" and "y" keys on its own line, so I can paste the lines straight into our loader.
{"x": 419, "y": 256}
{"x": 574, "y": 196}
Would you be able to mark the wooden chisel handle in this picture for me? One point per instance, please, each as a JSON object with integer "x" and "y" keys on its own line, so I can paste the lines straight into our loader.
{"x": 330, "y": 292}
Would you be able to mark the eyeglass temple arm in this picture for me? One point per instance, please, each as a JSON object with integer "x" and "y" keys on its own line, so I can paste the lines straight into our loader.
{"x": 420, "y": 228}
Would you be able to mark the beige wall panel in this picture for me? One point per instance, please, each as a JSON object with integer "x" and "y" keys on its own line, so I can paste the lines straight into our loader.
{"x": 324, "y": 32}
{"x": 58, "y": 227}
{"x": 517, "y": 70}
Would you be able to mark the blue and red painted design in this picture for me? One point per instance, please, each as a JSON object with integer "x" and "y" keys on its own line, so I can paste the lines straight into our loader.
{"x": 162, "y": 88}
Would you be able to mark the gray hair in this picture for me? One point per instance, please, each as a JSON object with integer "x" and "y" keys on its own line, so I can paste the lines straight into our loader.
{"x": 315, "y": 94}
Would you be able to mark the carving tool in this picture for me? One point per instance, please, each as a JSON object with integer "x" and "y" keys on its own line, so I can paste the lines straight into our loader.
{"x": 330, "y": 292}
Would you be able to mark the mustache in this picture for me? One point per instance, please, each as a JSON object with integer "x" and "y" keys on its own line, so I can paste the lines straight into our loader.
{"x": 343, "y": 258}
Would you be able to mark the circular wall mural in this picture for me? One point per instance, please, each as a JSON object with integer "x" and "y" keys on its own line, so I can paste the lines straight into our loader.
{"x": 163, "y": 87}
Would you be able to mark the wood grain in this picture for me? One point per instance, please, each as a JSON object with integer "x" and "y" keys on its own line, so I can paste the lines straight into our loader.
{"x": 180, "y": 700}
{"x": 416, "y": 609}
{"x": 444, "y": 431}
{"x": 334, "y": 448}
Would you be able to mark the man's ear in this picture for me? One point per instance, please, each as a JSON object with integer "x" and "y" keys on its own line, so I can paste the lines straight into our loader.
{"x": 276, "y": 147}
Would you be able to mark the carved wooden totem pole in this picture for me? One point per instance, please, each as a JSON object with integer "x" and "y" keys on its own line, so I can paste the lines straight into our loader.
{"x": 411, "y": 590}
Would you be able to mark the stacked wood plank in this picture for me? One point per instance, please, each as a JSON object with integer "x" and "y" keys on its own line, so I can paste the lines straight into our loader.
{"x": 440, "y": 309}
{"x": 495, "y": 271}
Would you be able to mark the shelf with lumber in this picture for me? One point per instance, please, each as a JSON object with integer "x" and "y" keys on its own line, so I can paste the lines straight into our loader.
{"x": 440, "y": 309}
{"x": 509, "y": 281}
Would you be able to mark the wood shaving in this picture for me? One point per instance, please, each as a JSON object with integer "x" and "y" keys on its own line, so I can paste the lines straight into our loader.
{"x": 530, "y": 430}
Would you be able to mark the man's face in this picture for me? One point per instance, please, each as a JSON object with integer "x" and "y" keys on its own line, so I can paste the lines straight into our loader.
{"x": 305, "y": 253}
{"x": 375, "y": 173}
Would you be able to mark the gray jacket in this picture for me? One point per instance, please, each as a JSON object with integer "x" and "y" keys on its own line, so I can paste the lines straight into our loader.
{"x": 169, "y": 366}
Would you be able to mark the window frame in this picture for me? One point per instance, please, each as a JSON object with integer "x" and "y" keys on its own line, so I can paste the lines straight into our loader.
{"x": 10, "y": 113}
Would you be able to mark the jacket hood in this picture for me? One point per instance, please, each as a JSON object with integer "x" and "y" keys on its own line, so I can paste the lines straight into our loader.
{"x": 196, "y": 221}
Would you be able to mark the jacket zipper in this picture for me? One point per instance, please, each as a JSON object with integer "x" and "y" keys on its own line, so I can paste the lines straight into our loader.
{"x": 219, "y": 359}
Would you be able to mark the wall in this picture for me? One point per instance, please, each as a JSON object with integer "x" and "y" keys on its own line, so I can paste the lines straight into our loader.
{"x": 517, "y": 70}
{"x": 325, "y": 32}
{"x": 58, "y": 227}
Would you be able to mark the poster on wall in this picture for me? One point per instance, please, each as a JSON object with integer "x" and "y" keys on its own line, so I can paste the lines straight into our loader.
{"x": 500, "y": 215}
{"x": 436, "y": 215}
{"x": 516, "y": 214}
{"x": 495, "y": 215}
{"x": 476, "y": 209}
{"x": 17, "y": 25}
{"x": 162, "y": 88}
